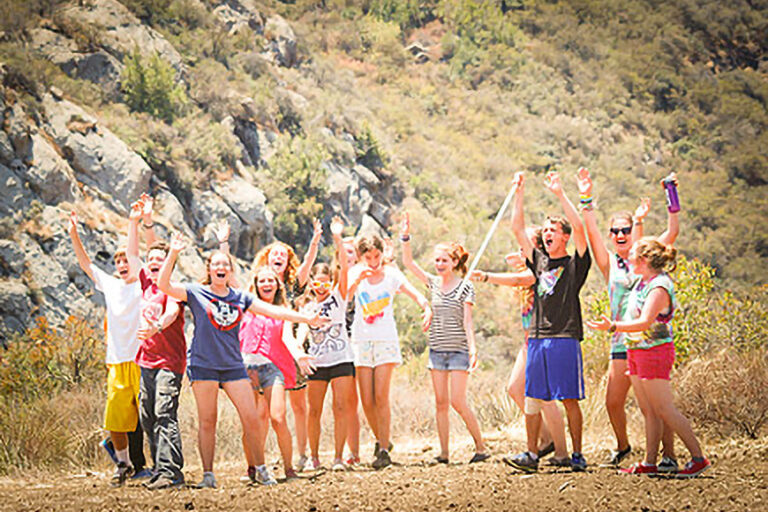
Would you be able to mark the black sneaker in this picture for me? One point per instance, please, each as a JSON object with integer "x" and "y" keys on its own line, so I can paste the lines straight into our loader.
{"x": 556, "y": 462}
{"x": 615, "y": 457}
{"x": 479, "y": 457}
{"x": 376, "y": 449}
{"x": 550, "y": 448}
{"x": 121, "y": 474}
{"x": 525, "y": 462}
{"x": 382, "y": 460}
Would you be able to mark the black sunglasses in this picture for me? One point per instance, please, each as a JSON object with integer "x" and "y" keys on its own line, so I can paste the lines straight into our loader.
{"x": 626, "y": 230}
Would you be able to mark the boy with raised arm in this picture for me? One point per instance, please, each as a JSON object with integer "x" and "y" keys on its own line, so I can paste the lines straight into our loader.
{"x": 123, "y": 299}
{"x": 554, "y": 368}
{"x": 162, "y": 356}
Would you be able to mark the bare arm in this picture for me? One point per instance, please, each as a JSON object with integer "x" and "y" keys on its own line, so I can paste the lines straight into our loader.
{"x": 146, "y": 219}
{"x": 600, "y": 253}
{"x": 337, "y": 227}
{"x": 416, "y": 295}
{"x": 524, "y": 278}
{"x": 171, "y": 312}
{"x": 658, "y": 301}
{"x": 259, "y": 307}
{"x": 578, "y": 235}
{"x": 82, "y": 257}
{"x": 410, "y": 264}
{"x": 638, "y": 217}
{"x": 132, "y": 251}
{"x": 175, "y": 290}
{"x": 669, "y": 236}
{"x": 309, "y": 259}
{"x": 304, "y": 360}
{"x": 470, "y": 330}
{"x": 518, "y": 220}
{"x": 365, "y": 274}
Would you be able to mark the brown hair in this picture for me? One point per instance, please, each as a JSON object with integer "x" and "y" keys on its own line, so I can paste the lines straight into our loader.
{"x": 279, "y": 298}
{"x": 457, "y": 253}
{"x": 262, "y": 260}
{"x": 562, "y": 221}
{"x": 159, "y": 245}
{"x": 120, "y": 252}
{"x": 317, "y": 268}
{"x": 659, "y": 257}
{"x": 368, "y": 243}
{"x": 207, "y": 278}
{"x": 623, "y": 215}
{"x": 538, "y": 241}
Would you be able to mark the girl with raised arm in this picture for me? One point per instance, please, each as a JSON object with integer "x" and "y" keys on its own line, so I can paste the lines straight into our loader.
{"x": 647, "y": 322}
{"x": 374, "y": 336}
{"x": 552, "y": 436}
{"x": 214, "y": 357}
{"x": 294, "y": 275}
{"x": 452, "y": 349}
{"x": 331, "y": 352}
{"x": 619, "y": 275}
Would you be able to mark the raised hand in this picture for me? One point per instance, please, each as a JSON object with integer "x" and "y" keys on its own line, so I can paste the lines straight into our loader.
{"x": 317, "y": 231}
{"x": 405, "y": 225}
{"x": 552, "y": 182}
{"x": 137, "y": 211}
{"x": 642, "y": 210}
{"x": 519, "y": 180}
{"x": 178, "y": 242}
{"x": 148, "y": 206}
{"x": 672, "y": 176}
{"x": 337, "y": 226}
{"x": 222, "y": 231}
{"x": 72, "y": 222}
{"x": 584, "y": 182}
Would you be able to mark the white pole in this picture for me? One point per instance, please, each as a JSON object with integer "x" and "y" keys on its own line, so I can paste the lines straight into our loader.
{"x": 488, "y": 236}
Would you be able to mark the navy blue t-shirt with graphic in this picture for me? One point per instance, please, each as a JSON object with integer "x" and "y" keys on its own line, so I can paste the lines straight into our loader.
{"x": 215, "y": 344}
{"x": 557, "y": 309}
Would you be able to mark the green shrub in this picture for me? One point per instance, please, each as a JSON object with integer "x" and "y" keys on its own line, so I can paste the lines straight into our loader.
{"x": 149, "y": 86}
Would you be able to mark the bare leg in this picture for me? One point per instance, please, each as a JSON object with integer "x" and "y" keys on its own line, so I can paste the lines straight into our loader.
{"x": 317, "y": 389}
{"x": 342, "y": 387}
{"x": 668, "y": 442}
{"x": 459, "y": 404}
{"x": 516, "y": 391}
{"x": 442, "y": 401}
{"x": 353, "y": 422}
{"x": 532, "y": 430}
{"x": 298, "y": 399}
{"x": 382, "y": 377}
{"x": 262, "y": 424}
{"x": 206, "y": 398}
{"x": 575, "y": 422}
{"x": 367, "y": 397}
{"x": 659, "y": 394}
{"x": 275, "y": 397}
{"x": 240, "y": 394}
{"x": 615, "y": 398}
{"x": 553, "y": 418}
{"x": 652, "y": 422}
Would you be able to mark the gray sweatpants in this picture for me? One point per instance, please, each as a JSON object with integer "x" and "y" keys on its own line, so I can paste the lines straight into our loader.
{"x": 158, "y": 411}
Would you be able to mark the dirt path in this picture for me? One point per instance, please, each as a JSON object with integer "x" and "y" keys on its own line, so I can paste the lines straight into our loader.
{"x": 738, "y": 480}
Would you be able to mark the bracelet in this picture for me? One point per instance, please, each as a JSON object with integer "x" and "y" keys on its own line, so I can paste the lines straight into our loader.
{"x": 585, "y": 199}
{"x": 635, "y": 221}
{"x": 485, "y": 277}
{"x": 405, "y": 238}
{"x": 148, "y": 226}
{"x": 612, "y": 328}
{"x": 588, "y": 207}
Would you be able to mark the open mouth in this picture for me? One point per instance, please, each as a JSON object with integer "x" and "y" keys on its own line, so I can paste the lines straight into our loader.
{"x": 154, "y": 270}
{"x": 123, "y": 272}
{"x": 221, "y": 275}
{"x": 548, "y": 242}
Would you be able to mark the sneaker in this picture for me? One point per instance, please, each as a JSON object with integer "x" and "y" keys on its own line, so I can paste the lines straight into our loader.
{"x": 550, "y": 448}
{"x": 163, "y": 482}
{"x": 614, "y": 458}
{"x": 382, "y": 460}
{"x": 668, "y": 465}
{"x": 578, "y": 462}
{"x": 208, "y": 481}
{"x": 261, "y": 476}
{"x": 352, "y": 461}
{"x": 638, "y": 468}
{"x": 479, "y": 457}
{"x": 290, "y": 474}
{"x": 313, "y": 465}
{"x": 525, "y": 462}
{"x": 338, "y": 465}
{"x": 559, "y": 462}
{"x": 143, "y": 474}
{"x": 439, "y": 460}
{"x": 376, "y": 449}
{"x": 109, "y": 448}
{"x": 302, "y": 464}
{"x": 694, "y": 468}
{"x": 121, "y": 474}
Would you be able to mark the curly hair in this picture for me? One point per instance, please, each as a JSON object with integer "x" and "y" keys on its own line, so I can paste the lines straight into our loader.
{"x": 659, "y": 257}
{"x": 262, "y": 260}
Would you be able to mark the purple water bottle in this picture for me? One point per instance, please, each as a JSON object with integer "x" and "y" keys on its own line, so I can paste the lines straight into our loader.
{"x": 670, "y": 187}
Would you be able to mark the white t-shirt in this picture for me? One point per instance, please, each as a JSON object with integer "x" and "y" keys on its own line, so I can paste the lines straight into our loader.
{"x": 330, "y": 345}
{"x": 374, "y": 316}
{"x": 123, "y": 313}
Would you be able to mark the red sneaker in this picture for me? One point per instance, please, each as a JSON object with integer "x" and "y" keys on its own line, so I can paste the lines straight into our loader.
{"x": 639, "y": 468}
{"x": 693, "y": 469}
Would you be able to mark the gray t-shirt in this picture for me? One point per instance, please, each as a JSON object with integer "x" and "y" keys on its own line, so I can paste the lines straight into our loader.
{"x": 447, "y": 333}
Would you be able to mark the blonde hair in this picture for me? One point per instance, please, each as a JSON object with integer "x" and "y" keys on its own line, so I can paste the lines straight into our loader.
{"x": 368, "y": 243}
{"x": 292, "y": 267}
{"x": 659, "y": 257}
{"x": 279, "y": 298}
{"x": 457, "y": 253}
{"x": 207, "y": 278}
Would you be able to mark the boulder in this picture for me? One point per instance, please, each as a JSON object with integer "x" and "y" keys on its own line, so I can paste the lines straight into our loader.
{"x": 6, "y": 149}
{"x": 14, "y": 197}
{"x": 239, "y": 15}
{"x": 250, "y": 205}
{"x": 49, "y": 176}
{"x": 169, "y": 215}
{"x": 120, "y": 32}
{"x": 208, "y": 209}
{"x": 11, "y": 259}
{"x": 281, "y": 47}
{"x": 15, "y": 307}
{"x": 101, "y": 159}
{"x": 346, "y": 195}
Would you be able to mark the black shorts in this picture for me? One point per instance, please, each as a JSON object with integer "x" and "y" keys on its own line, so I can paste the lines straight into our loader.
{"x": 328, "y": 373}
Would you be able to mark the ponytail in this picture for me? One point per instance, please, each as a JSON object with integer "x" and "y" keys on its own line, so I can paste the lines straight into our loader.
{"x": 660, "y": 257}
{"x": 458, "y": 254}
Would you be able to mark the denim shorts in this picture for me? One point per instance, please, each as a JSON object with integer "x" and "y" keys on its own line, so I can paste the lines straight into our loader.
{"x": 196, "y": 373}
{"x": 265, "y": 376}
{"x": 451, "y": 361}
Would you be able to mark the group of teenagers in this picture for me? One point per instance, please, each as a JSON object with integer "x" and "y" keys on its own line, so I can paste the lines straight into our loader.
{"x": 292, "y": 328}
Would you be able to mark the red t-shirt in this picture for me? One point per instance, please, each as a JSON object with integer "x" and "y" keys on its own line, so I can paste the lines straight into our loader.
{"x": 167, "y": 349}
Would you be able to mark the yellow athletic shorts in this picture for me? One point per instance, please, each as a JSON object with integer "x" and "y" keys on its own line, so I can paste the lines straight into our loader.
{"x": 122, "y": 411}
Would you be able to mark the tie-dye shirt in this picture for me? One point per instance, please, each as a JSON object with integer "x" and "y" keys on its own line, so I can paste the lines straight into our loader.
{"x": 374, "y": 316}
{"x": 660, "y": 331}
{"x": 620, "y": 282}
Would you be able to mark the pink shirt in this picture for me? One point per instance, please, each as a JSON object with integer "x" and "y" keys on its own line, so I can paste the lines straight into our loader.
{"x": 264, "y": 335}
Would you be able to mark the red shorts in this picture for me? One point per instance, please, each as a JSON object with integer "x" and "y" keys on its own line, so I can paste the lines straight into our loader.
{"x": 651, "y": 363}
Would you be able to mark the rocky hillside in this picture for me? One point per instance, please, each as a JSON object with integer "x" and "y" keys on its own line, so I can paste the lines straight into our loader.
{"x": 270, "y": 113}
